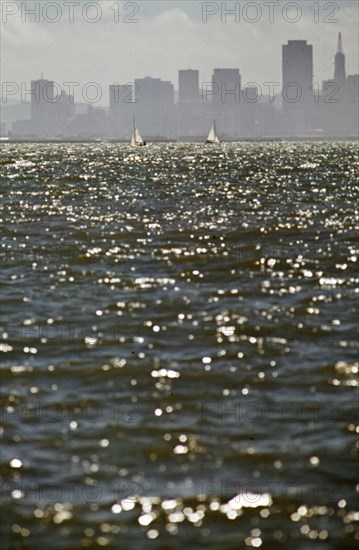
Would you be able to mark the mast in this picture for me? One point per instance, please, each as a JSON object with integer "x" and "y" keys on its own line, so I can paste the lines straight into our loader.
{"x": 133, "y": 137}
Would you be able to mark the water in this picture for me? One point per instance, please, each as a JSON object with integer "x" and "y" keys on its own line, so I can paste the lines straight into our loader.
{"x": 180, "y": 341}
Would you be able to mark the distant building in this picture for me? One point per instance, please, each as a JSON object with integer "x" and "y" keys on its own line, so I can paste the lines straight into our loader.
{"x": 297, "y": 68}
{"x": 226, "y": 100}
{"x": 340, "y": 78}
{"x": 249, "y": 124}
{"x": 297, "y": 81}
{"x": 191, "y": 119}
{"x": 64, "y": 111}
{"x": 339, "y": 64}
{"x": 339, "y": 105}
{"x": 154, "y": 107}
{"x": 42, "y": 107}
{"x": 188, "y": 85}
{"x": 226, "y": 85}
{"x": 50, "y": 112}
{"x": 297, "y": 111}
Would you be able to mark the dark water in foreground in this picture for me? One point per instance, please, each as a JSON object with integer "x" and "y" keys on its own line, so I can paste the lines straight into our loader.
{"x": 180, "y": 346}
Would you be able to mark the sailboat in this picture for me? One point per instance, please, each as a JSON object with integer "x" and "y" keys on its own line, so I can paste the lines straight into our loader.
{"x": 136, "y": 139}
{"x": 212, "y": 136}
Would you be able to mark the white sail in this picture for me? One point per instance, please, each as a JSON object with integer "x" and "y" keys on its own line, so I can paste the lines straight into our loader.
{"x": 212, "y": 136}
{"x": 136, "y": 138}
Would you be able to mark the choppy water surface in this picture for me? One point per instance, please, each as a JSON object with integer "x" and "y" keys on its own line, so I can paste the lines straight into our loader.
{"x": 180, "y": 346}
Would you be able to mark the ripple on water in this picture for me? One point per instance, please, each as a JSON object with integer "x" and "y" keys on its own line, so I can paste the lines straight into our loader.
{"x": 180, "y": 343}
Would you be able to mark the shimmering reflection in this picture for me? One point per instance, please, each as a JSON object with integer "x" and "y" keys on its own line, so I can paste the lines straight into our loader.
{"x": 180, "y": 346}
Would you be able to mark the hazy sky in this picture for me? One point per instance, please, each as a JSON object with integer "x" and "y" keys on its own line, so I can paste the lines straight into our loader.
{"x": 168, "y": 36}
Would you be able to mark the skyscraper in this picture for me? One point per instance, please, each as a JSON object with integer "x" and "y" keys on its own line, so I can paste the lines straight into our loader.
{"x": 226, "y": 101}
{"x": 297, "y": 70}
{"x": 334, "y": 90}
{"x": 154, "y": 106}
{"x": 64, "y": 110}
{"x": 190, "y": 108}
{"x": 42, "y": 107}
{"x": 339, "y": 63}
{"x": 337, "y": 111}
{"x": 226, "y": 88}
{"x": 188, "y": 85}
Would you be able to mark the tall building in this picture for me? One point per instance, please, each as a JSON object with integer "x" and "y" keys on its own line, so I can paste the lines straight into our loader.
{"x": 42, "y": 107}
{"x": 188, "y": 85}
{"x": 250, "y": 109}
{"x": 339, "y": 63}
{"x": 226, "y": 101}
{"x": 154, "y": 107}
{"x": 191, "y": 123}
{"x": 297, "y": 73}
{"x": 340, "y": 78}
{"x": 63, "y": 111}
{"x": 226, "y": 88}
{"x": 154, "y": 91}
{"x": 337, "y": 109}
{"x": 297, "y": 81}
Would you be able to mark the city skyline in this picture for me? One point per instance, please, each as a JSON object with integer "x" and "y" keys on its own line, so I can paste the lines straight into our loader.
{"x": 295, "y": 105}
{"x": 169, "y": 36}
{"x": 76, "y": 88}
